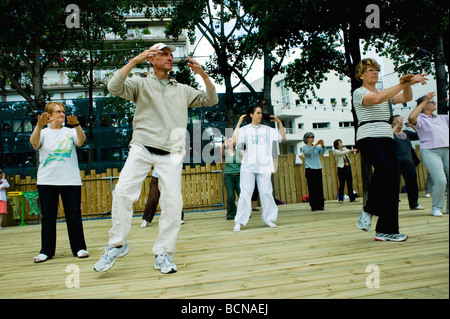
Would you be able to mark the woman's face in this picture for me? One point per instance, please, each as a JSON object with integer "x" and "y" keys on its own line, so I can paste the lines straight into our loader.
{"x": 256, "y": 116}
{"x": 58, "y": 115}
{"x": 370, "y": 75}
{"x": 339, "y": 145}
{"x": 430, "y": 107}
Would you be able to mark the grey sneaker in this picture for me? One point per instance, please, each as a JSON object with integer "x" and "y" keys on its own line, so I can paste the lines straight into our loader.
{"x": 390, "y": 237}
{"x": 164, "y": 263}
{"x": 108, "y": 257}
{"x": 365, "y": 221}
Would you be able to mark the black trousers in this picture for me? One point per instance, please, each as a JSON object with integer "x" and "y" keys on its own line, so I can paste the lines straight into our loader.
{"x": 315, "y": 188}
{"x": 345, "y": 176}
{"x": 408, "y": 171}
{"x": 71, "y": 199}
{"x": 383, "y": 192}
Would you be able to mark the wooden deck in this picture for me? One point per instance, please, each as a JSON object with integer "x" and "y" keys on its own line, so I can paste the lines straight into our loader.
{"x": 319, "y": 255}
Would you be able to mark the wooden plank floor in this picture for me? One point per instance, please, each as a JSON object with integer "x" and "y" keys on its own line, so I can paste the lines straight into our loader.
{"x": 318, "y": 255}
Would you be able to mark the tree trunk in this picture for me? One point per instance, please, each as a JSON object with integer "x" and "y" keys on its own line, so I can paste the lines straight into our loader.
{"x": 441, "y": 77}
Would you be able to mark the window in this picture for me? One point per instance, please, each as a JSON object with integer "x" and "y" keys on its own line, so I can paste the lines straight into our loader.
{"x": 344, "y": 101}
{"x": 310, "y": 101}
{"x": 333, "y": 102}
{"x": 300, "y": 126}
{"x": 323, "y": 125}
{"x": 321, "y": 101}
{"x": 345, "y": 124}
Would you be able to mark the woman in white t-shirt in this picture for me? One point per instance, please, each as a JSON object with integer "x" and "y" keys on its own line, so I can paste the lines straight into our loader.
{"x": 59, "y": 175}
{"x": 375, "y": 141}
{"x": 257, "y": 164}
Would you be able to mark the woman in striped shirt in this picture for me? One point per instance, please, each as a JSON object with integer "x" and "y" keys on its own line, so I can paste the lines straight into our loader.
{"x": 375, "y": 141}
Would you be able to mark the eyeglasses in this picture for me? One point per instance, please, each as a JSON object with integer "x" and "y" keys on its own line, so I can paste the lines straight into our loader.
{"x": 311, "y": 136}
{"x": 432, "y": 102}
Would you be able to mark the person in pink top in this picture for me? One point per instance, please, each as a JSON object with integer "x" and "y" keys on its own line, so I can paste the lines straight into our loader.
{"x": 434, "y": 146}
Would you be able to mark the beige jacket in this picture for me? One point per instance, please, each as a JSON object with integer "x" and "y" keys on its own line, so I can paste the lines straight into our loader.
{"x": 339, "y": 155}
{"x": 160, "y": 120}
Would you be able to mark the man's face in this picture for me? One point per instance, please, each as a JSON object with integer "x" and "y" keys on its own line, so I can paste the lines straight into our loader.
{"x": 163, "y": 61}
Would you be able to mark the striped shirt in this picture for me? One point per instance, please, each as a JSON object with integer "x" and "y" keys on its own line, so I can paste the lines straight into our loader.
{"x": 376, "y": 112}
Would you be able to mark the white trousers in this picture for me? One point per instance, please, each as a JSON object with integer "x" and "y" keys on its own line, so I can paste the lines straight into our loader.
{"x": 247, "y": 184}
{"x": 128, "y": 189}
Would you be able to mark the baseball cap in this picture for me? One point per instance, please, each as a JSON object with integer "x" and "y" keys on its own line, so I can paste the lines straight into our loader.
{"x": 161, "y": 46}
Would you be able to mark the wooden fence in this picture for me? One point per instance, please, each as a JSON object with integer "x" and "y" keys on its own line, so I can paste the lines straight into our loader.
{"x": 203, "y": 187}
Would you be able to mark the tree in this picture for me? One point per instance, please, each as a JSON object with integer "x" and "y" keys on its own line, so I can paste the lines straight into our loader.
{"x": 417, "y": 40}
{"x": 221, "y": 23}
{"x": 34, "y": 33}
{"x": 332, "y": 32}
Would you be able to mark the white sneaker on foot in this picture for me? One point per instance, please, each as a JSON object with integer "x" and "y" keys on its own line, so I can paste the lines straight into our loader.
{"x": 144, "y": 223}
{"x": 436, "y": 213}
{"x": 271, "y": 225}
{"x": 108, "y": 257}
{"x": 237, "y": 227}
{"x": 418, "y": 207}
{"x": 427, "y": 195}
{"x": 164, "y": 263}
{"x": 390, "y": 237}
{"x": 365, "y": 221}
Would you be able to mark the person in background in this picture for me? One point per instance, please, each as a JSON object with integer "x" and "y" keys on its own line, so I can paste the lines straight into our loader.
{"x": 344, "y": 166}
{"x": 232, "y": 158}
{"x": 59, "y": 175}
{"x": 257, "y": 164}
{"x": 434, "y": 146}
{"x": 152, "y": 201}
{"x": 406, "y": 165}
{"x": 4, "y": 185}
{"x": 313, "y": 170}
{"x": 375, "y": 142}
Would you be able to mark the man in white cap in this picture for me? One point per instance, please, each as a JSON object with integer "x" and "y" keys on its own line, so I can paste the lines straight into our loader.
{"x": 158, "y": 141}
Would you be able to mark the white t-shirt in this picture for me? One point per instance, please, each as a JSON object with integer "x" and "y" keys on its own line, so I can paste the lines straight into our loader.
{"x": 3, "y": 183}
{"x": 58, "y": 163}
{"x": 258, "y": 155}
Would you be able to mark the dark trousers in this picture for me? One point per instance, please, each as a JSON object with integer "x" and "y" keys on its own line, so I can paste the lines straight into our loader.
{"x": 71, "y": 199}
{"x": 383, "y": 192}
{"x": 315, "y": 188}
{"x": 408, "y": 171}
{"x": 345, "y": 176}
{"x": 153, "y": 200}
{"x": 232, "y": 182}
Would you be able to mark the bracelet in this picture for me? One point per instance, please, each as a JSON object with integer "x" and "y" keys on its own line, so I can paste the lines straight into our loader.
{"x": 75, "y": 125}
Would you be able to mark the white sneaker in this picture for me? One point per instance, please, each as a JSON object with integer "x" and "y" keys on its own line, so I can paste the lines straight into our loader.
{"x": 164, "y": 263}
{"x": 436, "y": 213}
{"x": 144, "y": 223}
{"x": 365, "y": 221}
{"x": 418, "y": 207}
{"x": 390, "y": 237}
{"x": 427, "y": 195}
{"x": 237, "y": 227}
{"x": 108, "y": 257}
{"x": 271, "y": 225}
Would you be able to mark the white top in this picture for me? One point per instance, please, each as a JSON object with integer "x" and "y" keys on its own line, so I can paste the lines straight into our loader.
{"x": 376, "y": 112}
{"x": 3, "y": 183}
{"x": 58, "y": 163}
{"x": 259, "y": 152}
